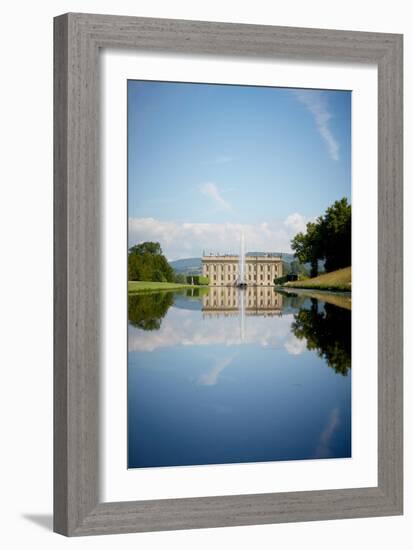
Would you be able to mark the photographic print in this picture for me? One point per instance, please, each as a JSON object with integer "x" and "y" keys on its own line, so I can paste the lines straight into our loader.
{"x": 239, "y": 274}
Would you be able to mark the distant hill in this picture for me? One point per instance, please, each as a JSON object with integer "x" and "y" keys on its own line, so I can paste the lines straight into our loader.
{"x": 187, "y": 265}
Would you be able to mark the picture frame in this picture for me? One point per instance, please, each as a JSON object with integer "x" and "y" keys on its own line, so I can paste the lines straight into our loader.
{"x": 78, "y": 38}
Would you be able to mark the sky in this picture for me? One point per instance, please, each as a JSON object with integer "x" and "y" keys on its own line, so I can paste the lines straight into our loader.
{"x": 207, "y": 162}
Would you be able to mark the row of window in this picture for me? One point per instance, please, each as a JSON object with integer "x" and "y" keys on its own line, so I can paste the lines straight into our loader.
{"x": 235, "y": 268}
{"x": 249, "y": 304}
{"x": 232, "y": 293}
{"x": 250, "y": 278}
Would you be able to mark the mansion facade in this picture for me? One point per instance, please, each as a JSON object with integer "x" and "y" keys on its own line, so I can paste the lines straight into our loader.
{"x": 259, "y": 270}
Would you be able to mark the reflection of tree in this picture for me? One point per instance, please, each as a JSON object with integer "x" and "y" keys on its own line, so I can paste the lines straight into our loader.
{"x": 146, "y": 311}
{"x": 195, "y": 292}
{"x": 328, "y": 332}
{"x": 294, "y": 300}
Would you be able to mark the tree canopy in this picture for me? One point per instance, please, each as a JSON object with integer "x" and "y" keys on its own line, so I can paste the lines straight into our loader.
{"x": 146, "y": 262}
{"x": 147, "y": 247}
{"x": 327, "y": 239}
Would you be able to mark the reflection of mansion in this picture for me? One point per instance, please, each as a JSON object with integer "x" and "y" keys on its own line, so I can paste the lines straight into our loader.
{"x": 255, "y": 301}
{"x": 224, "y": 270}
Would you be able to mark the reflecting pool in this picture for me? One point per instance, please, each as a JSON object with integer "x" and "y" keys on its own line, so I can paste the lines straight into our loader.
{"x": 223, "y": 375}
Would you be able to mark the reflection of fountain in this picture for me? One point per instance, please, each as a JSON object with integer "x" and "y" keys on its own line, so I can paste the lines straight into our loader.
{"x": 241, "y": 269}
{"x": 241, "y": 302}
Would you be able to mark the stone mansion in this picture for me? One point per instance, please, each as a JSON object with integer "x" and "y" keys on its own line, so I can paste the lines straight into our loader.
{"x": 223, "y": 270}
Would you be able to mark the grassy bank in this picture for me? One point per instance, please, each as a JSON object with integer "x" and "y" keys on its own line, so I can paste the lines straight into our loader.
{"x": 340, "y": 299}
{"x": 150, "y": 286}
{"x": 335, "y": 280}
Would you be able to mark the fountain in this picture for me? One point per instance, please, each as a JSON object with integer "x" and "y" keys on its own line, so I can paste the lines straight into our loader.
{"x": 241, "y": 283}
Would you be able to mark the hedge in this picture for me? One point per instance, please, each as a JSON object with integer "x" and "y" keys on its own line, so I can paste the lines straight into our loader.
{"x": 197, "y": 280}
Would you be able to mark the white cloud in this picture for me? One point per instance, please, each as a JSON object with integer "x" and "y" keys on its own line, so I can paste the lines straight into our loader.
{"x": 210, "y": 190}
{"x": 316, "y": 103}
{"x": 184, "y": 240}
{"x": 296, "y": 222}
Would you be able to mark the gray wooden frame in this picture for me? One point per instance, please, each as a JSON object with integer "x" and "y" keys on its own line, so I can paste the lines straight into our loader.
{"x": 78, "y": 39}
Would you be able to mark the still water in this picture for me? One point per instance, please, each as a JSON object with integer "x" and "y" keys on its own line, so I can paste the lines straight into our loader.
{"x": 228, "y": 375}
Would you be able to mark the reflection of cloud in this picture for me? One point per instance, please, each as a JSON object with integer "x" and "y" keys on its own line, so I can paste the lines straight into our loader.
{"x": 185, "y": 328}
{"x": 186, "y": 240}
{"x": 211, "y": 191}
{"x": 316, "y": 103}
{"x": 294, "y": 346}
{"x": 211, "y": 377}
{"x": 323, "y": 448}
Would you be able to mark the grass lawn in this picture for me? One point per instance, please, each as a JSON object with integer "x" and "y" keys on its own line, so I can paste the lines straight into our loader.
{"x": 335, "y": 280}
{"x": 148, "y": 286}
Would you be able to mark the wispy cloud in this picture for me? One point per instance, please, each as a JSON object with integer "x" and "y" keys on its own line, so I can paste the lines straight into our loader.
{"x": 210, "y": 190}
{"x": 316, "y": 102}
{"x": 185, "y": 240}
{"x": 323, "y": 449}
{"x": 210, "y": 378}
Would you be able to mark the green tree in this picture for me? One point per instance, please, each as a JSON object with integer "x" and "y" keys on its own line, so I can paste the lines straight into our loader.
{"x": 298, "y": 268}
{"x": 134, "y": 268}
{"x": 197, "y": 280}
{"x": 146, "y": 262}
{"x": 286, "y": 268}
{"x": 147, "y": 247}
{"x": 158, "y": 276}
{"x": 336, "y": 231}
{"x": 328, "y": 239}
{"x": 308, "y": 247}
{"x": 180, "y": 278}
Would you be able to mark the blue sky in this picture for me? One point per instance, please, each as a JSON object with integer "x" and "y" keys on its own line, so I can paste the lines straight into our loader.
{"x": 206, "y": 162}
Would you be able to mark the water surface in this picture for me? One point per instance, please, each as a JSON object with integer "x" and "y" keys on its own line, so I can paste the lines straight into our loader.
{"x": 227, "y": 375}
